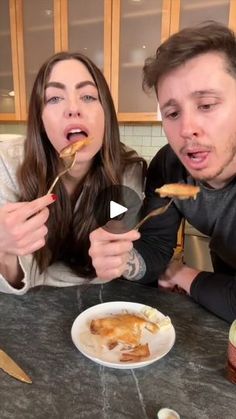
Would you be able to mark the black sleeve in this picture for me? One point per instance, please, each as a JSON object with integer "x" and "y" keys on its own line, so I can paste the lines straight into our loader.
{"x": 217, "y": 293}
{"x": 159, "y": 234}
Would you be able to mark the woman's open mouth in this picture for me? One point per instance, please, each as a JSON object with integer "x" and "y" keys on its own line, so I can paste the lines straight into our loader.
{"x": 76, "y": 135}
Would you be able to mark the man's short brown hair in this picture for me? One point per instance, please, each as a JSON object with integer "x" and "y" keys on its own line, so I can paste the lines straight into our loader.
{"x": 186, "y": 44}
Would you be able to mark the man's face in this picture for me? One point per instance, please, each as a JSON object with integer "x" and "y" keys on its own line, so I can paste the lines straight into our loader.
{"x": 198, "y": 106}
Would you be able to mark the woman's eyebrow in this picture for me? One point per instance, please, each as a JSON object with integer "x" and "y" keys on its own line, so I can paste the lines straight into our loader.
{"x": 63, "y": 86}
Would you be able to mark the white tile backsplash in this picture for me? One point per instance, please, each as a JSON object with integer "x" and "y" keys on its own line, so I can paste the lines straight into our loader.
{"x": 140, "y": 131}
{"x": 145, "y": 139}
{"x": 157, "y": 130}
{"x": 13, "y": 128}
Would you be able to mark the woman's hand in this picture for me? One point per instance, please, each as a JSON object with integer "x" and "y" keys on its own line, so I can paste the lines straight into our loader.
{"x": 22, "y": 226}
{"x": 111, "y": 252}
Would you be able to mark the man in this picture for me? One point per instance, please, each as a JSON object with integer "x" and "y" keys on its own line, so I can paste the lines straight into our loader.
{"x": 194, "y": 77}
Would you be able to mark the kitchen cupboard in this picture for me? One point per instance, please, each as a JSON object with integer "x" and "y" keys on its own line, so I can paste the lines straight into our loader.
{"x": 191, "y": 12}
{"x": 38, "y": 29}
{"x": 117, "y": 35}
{"x": 143, "y": 25}
{"x": 86, "y": 29}
{"x": 32, "y": 29}
{"x": 9, "y": 81}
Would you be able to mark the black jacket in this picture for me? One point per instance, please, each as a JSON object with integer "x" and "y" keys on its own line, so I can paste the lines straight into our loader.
{"x": 213, "y": 213}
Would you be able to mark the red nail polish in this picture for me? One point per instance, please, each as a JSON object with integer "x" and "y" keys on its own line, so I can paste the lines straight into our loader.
{"x": 54, "y": 196}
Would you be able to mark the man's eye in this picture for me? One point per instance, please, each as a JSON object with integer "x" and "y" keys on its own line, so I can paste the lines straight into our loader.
{"x": 172, "y": 115}
{"x": 53, "y": 99}
{"x": 207, "y": 106}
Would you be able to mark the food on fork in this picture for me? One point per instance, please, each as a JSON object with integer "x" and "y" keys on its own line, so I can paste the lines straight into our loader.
{"x": 178, "y": 190}
{"x": 71, "y": 149}
{"x": 126, "y": 330}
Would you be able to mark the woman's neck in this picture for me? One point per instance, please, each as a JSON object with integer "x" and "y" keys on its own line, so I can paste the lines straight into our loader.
{"x": 74, "y": 178}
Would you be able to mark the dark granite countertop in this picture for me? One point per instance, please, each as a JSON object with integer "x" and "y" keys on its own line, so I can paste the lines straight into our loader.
{"x": 35, "y": 330}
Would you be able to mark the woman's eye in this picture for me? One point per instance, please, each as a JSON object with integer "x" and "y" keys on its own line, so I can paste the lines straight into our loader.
{"x": 53, "y": 99}
{"x": 89, "y": 98}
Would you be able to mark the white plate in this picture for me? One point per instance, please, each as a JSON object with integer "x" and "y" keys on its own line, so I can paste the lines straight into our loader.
{"x": 88, "y": 344}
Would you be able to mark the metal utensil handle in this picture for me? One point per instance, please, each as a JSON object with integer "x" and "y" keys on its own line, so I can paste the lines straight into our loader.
{"x": 154, "y": 213}
{"x": 61, "y": 174}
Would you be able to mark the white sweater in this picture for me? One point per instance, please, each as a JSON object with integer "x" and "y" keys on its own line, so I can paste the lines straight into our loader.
{"x": 58, "y": 274}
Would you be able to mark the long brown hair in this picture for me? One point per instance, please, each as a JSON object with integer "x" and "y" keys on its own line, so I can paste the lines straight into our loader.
{"x": 69, "y": 227}
{"x": 209, "y": 36}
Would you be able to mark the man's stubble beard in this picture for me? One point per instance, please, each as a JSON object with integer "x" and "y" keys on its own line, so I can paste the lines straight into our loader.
{"x": 231, "y": 150}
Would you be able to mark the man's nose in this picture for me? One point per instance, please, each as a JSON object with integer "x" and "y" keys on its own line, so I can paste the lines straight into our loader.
{"x": 189, "y": 127}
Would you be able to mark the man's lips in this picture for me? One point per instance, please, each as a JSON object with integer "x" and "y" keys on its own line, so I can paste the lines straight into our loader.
{"x": 199, "y": 155}
{"x": 196, "y": 159}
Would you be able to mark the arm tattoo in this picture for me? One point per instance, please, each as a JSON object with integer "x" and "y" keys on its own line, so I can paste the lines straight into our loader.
{"x": 136, "y": 267}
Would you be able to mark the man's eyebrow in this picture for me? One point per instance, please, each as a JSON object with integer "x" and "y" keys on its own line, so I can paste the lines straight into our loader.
{"x": 196, "y": 93}
{"x": 205, "y": 92}
{"x": 63, "y": 87}
{"x": 170, "y": 102}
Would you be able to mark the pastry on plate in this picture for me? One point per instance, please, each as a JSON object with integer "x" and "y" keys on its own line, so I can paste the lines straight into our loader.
{"x": 126, "y": 330}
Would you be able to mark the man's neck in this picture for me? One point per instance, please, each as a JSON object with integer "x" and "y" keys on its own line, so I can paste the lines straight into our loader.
{"x": 218, "y": 183}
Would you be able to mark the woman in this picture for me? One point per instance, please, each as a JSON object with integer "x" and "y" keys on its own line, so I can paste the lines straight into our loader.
{"x": 45, "y": 237}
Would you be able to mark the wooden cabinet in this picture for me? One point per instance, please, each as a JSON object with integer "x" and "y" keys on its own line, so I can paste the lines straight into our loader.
{"x": 38, "y": 39}
{"x": 86, "y": 28}
{"x": 116, "y": 34}
{"x": 191, "y": 12}
{"x": 30, "y": 32}
{"x": 9, "y": 76}
{"x": 33, "y": 31}
{"x": 143, "y": 26}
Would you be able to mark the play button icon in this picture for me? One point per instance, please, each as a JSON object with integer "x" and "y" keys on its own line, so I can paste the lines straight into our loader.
{"x": 116, "y": 209}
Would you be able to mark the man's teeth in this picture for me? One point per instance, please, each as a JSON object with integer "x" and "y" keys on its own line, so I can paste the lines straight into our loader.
{"x": 196, "y": 156}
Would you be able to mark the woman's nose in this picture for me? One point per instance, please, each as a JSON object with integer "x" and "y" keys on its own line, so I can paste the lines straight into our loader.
{"x": 72, "y": 108}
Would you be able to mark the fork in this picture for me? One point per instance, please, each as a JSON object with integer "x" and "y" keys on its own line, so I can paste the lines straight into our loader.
{"x": 153, "y": 213}
{"x": 61, "y": 174}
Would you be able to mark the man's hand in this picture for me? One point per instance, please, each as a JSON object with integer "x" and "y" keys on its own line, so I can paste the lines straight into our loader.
{"x": 178, "y": 274}
{"x": 111, "y": 252}
{"x": 22, "y": 226}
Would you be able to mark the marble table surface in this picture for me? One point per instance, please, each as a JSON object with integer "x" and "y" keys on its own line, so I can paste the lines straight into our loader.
{"x": 36, "y": 331}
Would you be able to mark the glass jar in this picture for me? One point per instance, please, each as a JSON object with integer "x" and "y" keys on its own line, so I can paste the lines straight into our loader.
{"x": 231, "y": 364}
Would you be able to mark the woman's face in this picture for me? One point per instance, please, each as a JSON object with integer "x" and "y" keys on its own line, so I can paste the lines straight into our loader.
{"x": 72, "y": 111}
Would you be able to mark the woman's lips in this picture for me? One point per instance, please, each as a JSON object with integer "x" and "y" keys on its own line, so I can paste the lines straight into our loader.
{"x": 76, "y": 136}
{"x": 75, "y": 128}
